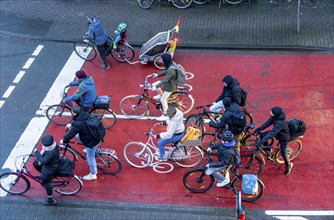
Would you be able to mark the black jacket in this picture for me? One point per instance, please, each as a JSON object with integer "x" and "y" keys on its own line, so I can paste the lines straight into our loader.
{"x": 50, "y": 161}
{"x": 226, "y": 154}
{"x": 280, "y": 128}
{"x": 79, "y": 127}
{"x": 227, "y": 119}
{"x": 232, "y": 91}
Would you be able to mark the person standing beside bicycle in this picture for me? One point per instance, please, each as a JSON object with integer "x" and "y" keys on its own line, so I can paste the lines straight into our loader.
{"x": 85, "y": 95}
{"x": 47, "y": 163}
{"x": 99, "y": 36}
{"x": 280, "y": 131}
{"x": 168, "y": 84}
{"x": 175, "y": 130}
{"x": 79, "y": 129}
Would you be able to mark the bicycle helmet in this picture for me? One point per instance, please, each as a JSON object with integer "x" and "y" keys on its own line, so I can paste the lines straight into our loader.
{"x": 227, "y": 136}
{"x": 122, "y": 27}
{"x": 76, "y": 109}
{"x": 91, "y": 18}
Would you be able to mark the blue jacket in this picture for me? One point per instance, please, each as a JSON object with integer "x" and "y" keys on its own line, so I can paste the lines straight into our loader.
{"x": 96, "y": 33}
{"x": 86, "y": 92}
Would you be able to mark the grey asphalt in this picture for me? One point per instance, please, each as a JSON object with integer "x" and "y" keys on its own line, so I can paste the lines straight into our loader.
{"x": 262, "y": 24}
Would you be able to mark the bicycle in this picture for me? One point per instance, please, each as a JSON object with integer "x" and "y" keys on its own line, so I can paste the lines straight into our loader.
{"x": 181, "y": 4}
{"x": 61, "y": 114}
{"x": 252, "y": 162}
{"x": 87, "y": 50}
{"x": 17, "y": 182}
{"x": 141, "y": 155}
{"x": 136, "y": 106}
{"x": 197, "y": 181}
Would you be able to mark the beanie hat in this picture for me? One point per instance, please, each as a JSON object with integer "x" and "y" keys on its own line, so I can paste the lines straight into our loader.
{"x": 227, "y": 102}
{"x": 48, "y": 142}
{"x": 80, "y": 74}
{"x": 228, "y": 80}
{"x": 277, "y": 111}
{"x": 167, "y": 59}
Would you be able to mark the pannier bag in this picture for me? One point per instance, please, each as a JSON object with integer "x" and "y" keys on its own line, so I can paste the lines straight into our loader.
{"x": 249, "y": 184}
{"x": 191, "y": 137}
{"x": 65, "y": 168}
{"x": 296, "y": 128}
{"x": 102, "y": 102}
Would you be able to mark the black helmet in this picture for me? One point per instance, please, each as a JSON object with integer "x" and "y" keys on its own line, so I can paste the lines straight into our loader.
{"x": 227, "y": 136}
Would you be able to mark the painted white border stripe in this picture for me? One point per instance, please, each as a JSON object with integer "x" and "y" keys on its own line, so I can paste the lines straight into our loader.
{"x": 19, "y": 76}
{"x": 28, "y": 63}
{"x": 38, "y": 49}
{"x": 300, "y": 212}
{"x": 8, "y": 91}
{"x": 1, "y": 103}
{"x": 290, "y": 217}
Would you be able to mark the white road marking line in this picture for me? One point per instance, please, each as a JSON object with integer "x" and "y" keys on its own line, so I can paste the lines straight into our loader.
{"x": 300, "y": 212}
{"x": 19, "y": 76}
{"x": 290, "y": 217}
{"x": 28, "y": 63}
{"x": 38, "y": 49}
{"x": 1, "y": 103}
{"x": 8, "y": 91}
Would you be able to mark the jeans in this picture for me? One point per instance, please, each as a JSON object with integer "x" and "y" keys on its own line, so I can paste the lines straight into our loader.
{"x": 217, "y": 107}
{"x": 162, "y": 142}
{"x": 217, "y": 174}
{"x": 90, "y": 157}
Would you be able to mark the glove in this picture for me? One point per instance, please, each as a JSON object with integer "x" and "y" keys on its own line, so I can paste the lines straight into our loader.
{"x": 157, "y": 136}
{"x": 114, "y": 46}
{"x": 209, "y": 150}
{"x": 68, "y": 127}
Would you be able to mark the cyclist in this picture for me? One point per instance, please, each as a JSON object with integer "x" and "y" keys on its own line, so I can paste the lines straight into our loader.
{"x": 168, "y": 84}
{"x": 97, "y": 33}
{"x": 120, "y": 35}
{"x": 280, "y": 131}
{"x": 175, "y": 130}
{"x": 79, "y": 129}
{"x": 47, "y": 163}
{"x": 226, "y": 156}
{"x": 85, "y": 95}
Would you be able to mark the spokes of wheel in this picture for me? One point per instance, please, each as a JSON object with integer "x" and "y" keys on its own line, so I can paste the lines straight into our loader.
{"x": 182, "y": 3}
{"x": 85, "y": 50}
{"x": 195, "y": 121}
{"x": 145, "y": 4}
{"x": 137, "y": 155}
{"x": 107, "y": 117}
{"x": 189, "y": 157}
{"x": 196, "y": 180}
{"x": 293, "y": 148}
{"x": 158, "y": 63}
{"x": 59, "y": 114}
{"x": 108, "y": 163}
{"x": 122, "y": 53}
{"x": 67, "y": 185}
{"x": 13, "y": 183}
{"x": 133, "y": 106}
{"x": 183, "y": 101}
{"x": 250, "y": 165}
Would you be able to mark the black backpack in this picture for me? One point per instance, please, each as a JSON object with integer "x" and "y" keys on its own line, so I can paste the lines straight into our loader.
{"x": 296, "y": 128}
{"x": 238, "y": 120}
{"x": 96, "y": 128}
{"x": 243, "y": 97}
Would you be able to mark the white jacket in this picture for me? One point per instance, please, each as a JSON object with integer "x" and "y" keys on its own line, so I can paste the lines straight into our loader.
{"x": 174, "y": 125}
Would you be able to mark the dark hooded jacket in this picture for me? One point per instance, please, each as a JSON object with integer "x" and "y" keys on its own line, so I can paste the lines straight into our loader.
{"x": 232, "y": 91}
{"x": 49, "y": 160}
{"x": 280, "y": 128}
{"x": 226, "y": 154}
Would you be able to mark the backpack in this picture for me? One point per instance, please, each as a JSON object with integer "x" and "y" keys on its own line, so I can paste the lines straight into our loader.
{"x": 249, "y": 184}
{"x": 238, "y": 120}
{"x": 243, "y": 97}
{"x": 96, "y": 128}
{"x": 296, "y": 128}
{"x": 191, "y": 137}
{"x": 65, "y": 168}
{"x": 180, "y": 74}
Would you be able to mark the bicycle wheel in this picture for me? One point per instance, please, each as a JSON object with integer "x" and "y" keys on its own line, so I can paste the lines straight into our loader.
{"x": 236, "y": 185}
{"x": 59, "y": 114}
{"x": 197, "y": 181}
{"x": 108, "y": 163}
{"x": 85, "y": 50}
{"x": 191, "y": 156}
{"x": 162, "y": 167}
{"x": 292, "y": 149}
{"x": 133, "y": 106}
{"x": 67, "y": 185}
{"x": 250, "y": 165}
{"x": 137, "y": 154}
{"x": 249, "y": 141}
{"x": 182, "y": 100}
{"x": 249, "y": 117}
{"x": 182, "y": 3}
{"x": 107, "y": 117}
{"x": 122, "y": 53}
{"x": 200, "y": 2}
{"x": 14, "y": 183}
{"x": 145, "y": 4}
{"x": 234, "y": 2}
{"x": 195, "y": 120}
{"x": 158, "y": 63}
{"x": 69, "y": 154}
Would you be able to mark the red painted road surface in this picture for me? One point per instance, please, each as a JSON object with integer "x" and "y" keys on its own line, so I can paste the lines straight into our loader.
{"x": 301, "y": 83}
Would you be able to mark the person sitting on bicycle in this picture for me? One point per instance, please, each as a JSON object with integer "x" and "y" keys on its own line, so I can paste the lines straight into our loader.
{"x": 175, "y": 130}
{"x": 168, "y": 84}
{"x": 47, "y": 163}
{"x": 226, "y": 156}
{"x": 79, "y": 129}
{"x": 280, "y": 131}
{"x": 120, "y": 35}
{"x": 85, "y": 95}
{"x": 99, "y": 36}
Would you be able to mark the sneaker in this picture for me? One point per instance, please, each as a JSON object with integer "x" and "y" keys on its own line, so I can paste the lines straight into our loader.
{"x": 288, "y": 169}
{"x": 104, "y": 66}
{"x": 90, "y": 177}
{"x": 162, "y": 118}
{"x": 158, "y": 97}
{"x": 223, "y": 183}
{"x": 162, "y": 159}
{"x": 50, "y": 201}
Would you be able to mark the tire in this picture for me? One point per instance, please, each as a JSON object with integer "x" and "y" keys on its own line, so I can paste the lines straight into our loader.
{"x": 69, "y": 154}
{"x": 14, "y": 183}
{"x": 249, "y": 117}
{"x": 133, "y": 106}
{"x": 293, "y": 149}
{"x": 236, "y": 185}
{"x": 234, "y": 2}
{"x": 250, "y": 165}
{"x": 195, "y": 120}
{"x": 108, "y": 163}
{"x": 67, "y": 185}
{"x": 122, "y": 53}
{"x": 59, "y": 114}
{"x": 193, "y": 156}
{"x": 181, "y": 4}
{"x": 137, "y": 154}
{"x": 107, "y": 117}
{"x": 200, "y": 2}
{"x": 197, "y": 181}
{"x": 158, "y": 63}
{"x": 182, "y": 101}
{"x": 85, "y": 50}
{"x": 145, "y": 4}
